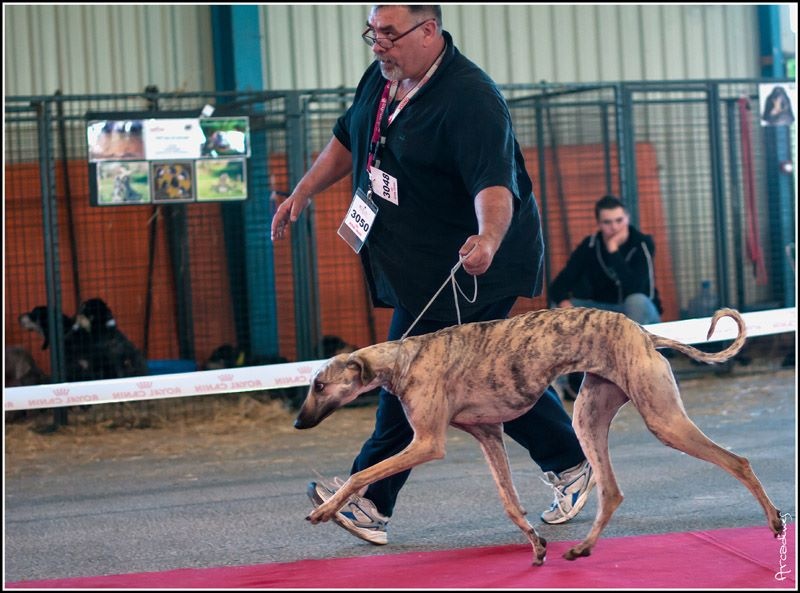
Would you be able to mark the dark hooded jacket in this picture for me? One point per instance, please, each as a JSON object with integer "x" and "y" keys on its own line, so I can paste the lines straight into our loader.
{"x": 594, "y": 273}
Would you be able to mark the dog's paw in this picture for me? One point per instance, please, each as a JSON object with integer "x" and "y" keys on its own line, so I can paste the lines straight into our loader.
{"x": 539, "y": 551}
{"x": 576, "y": 552}
{"x": 776, "y": 524}
{"x": 314, "y": 517}
{"x": 320, "y": 514}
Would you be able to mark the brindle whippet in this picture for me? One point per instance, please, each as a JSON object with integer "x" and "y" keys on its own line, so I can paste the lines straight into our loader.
{"x": 478, "y": 375}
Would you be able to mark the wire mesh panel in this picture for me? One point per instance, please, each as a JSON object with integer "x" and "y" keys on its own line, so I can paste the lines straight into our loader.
{"x": 346, "y": 313}
{"x": 172, "y": 275}
{"x": 673, "y": 162}
{"x": 710, "y": 164}
{"x": 568, "y": 135}
{"x": 201, "y": 285}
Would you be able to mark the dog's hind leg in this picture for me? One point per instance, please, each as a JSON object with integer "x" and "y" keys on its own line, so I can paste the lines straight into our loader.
{"x": 490, "y": 436}
{"x": 597, "y": 404}
{"x": 665, "y": 416}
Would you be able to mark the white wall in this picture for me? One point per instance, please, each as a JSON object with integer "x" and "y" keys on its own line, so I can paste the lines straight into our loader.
{"x": 106, "y": 49}
{"x": 123, "y": 48}
{"x": 319, "y": 45}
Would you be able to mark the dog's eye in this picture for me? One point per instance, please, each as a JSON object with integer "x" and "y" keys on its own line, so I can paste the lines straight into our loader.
{"x": 319, "y": 386}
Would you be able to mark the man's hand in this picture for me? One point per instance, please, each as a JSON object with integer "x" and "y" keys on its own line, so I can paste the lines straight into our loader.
{"x": 614, "y": 241}
{"x": 288, "y": 211}
{"x": 477, "y": 254}
{"x": 332, "y": 164}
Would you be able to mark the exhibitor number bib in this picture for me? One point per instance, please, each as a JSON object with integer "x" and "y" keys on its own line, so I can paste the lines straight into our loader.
{"x": 358, "y": 221}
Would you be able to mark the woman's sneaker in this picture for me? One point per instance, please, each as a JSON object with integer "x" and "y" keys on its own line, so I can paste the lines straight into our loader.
{"x": 358, "y": 515}
{"x": 571, "y": 487}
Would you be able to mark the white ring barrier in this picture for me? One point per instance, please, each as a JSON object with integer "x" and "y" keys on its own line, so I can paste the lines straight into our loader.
{"x": 297, "y": 374}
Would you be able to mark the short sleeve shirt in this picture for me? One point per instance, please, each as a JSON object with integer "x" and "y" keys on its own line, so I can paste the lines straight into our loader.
{"x": 453, "y": 139}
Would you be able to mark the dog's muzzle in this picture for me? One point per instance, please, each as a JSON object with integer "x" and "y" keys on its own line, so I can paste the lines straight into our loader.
{"x": 309, "y": 417}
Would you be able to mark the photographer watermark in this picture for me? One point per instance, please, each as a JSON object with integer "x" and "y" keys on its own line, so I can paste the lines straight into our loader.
{"x": 784, "y": 571}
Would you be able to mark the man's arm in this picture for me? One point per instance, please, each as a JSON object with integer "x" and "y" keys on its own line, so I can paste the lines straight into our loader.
{"x": 562, "y": 286}
{"x": 635, "y": 272}
{"x": 333, "y": 163}
{"x": 494, "y": 208}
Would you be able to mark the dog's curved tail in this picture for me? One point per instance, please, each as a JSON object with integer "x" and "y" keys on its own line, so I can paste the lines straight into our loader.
{"x": 708, "y": 357}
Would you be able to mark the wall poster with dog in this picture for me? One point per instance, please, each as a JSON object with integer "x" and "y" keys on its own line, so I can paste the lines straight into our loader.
{"x": 141, "y": 159}
{"x": 778, "y": 104}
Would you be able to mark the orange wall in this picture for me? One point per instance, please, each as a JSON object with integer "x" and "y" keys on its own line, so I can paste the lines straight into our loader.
{"x": 583, "y": 183}
{"x": 112, "y": 248}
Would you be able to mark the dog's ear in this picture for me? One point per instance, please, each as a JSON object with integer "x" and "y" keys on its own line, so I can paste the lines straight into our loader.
{"x": 355, "y": 361}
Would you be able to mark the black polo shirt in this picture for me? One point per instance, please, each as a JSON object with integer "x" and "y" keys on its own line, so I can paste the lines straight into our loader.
{"x": 453, "y": 139}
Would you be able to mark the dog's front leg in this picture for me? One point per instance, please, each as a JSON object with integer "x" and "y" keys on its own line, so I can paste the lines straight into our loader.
{"x": 490, "y": 436}
{"x": 418, "y": 451}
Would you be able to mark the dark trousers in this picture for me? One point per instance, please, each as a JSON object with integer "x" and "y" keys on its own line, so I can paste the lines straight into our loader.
{"x": 545, "y": 430}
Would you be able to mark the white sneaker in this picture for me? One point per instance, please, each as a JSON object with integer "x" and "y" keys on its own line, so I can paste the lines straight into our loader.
{"x": 571, "y": 487}
{"x": 358, "y": 515}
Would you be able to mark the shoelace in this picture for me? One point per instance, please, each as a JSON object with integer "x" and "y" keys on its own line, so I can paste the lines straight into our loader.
{"x": 555, "y": 482}
{"x": 337, "y": 483}
{"x": 358, "y": 502}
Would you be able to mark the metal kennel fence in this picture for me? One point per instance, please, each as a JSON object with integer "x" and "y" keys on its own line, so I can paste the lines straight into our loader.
{"x": 691, "y": 160}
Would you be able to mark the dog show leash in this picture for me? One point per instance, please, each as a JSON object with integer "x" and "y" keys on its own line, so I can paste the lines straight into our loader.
{"x": 452, "y": 279}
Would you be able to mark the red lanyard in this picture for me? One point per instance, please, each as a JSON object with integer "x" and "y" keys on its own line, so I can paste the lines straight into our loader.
{"x": 389, "y": 92}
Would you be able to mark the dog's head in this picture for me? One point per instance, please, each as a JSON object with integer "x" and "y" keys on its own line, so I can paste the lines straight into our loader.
{"x": 36, "y": 320}
{"x": 333, "y": 345}
{"x": 341, "y": 380}
{"x": 225, "y": 357}
{"x": 95, "y": 316}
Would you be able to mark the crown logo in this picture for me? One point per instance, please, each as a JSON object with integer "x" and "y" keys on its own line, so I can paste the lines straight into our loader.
{"x": 61, "y": 391}
{"x": 225, "y": 378}
{"x": 304, "y": 370}
{"x": 144, "y": 384}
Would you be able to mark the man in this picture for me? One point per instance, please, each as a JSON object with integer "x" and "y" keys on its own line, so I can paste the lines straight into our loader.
{"x": 429, "y": 143}
{"x": 612, "y": 270}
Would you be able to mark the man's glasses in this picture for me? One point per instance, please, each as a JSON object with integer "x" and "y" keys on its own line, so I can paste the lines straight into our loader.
{"x": 387, "y": 42}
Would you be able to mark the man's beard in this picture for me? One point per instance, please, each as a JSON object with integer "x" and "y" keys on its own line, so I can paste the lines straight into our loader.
{"x": 390, "y": 71}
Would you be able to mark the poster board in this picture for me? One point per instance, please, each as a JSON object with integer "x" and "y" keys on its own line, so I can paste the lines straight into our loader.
{"x": 166, "y": 158}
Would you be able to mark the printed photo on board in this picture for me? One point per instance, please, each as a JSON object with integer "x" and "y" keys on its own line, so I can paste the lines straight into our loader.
{"x": 224, "y": 137}
{"x": 777, "y": 103}
{"x": 173, "y": 182}
{"x": 221, "y": 180}
{"x": 115, "y": 140}
{"x": 122, "y": 183}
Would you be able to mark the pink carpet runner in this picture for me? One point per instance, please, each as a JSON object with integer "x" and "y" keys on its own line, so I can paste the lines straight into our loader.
{"x": 747, "y": 557}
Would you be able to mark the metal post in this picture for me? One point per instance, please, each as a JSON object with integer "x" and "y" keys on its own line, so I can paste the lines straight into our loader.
{"x": 606, "y": 148}
{"x": 306, "y": 291}
{"x": 178, "y": 241}
{"x": 50, "y": 230}
{"x": 52, "y": 267}
{"x": 627, "y": 152}
{"x": 717, "y": 190}
{"x": 736, "y": 201}
{"x": 778, "y": 149}
{"x": 237, "y": 57}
